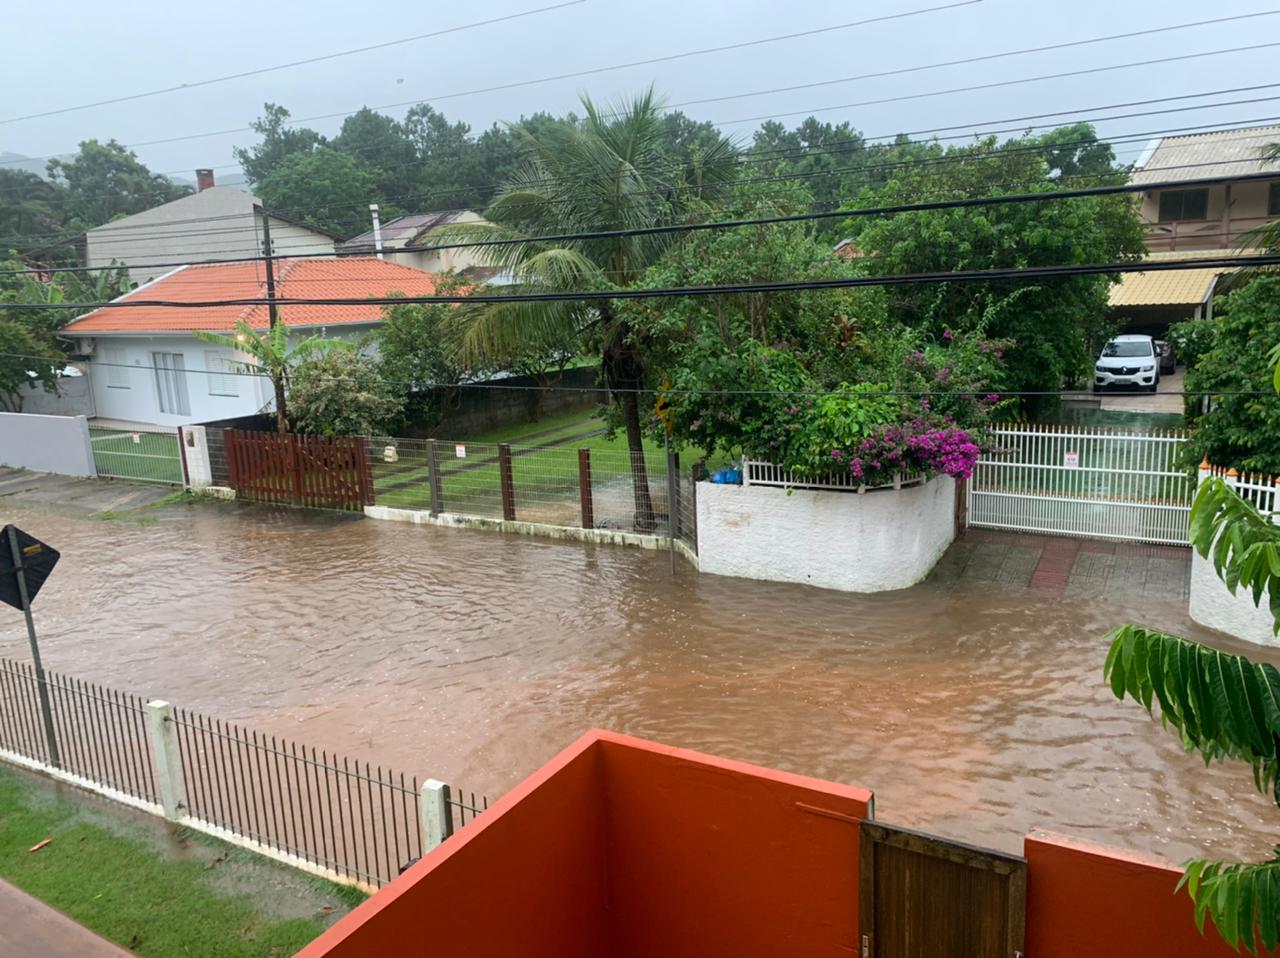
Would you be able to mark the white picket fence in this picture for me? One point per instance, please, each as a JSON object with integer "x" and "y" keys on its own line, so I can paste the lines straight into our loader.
{"x": 1262, "y": 491}
{"x": 1094, "y": 482}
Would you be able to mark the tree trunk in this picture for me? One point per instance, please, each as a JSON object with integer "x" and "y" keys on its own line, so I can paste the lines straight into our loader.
{"x": 282, "y": 421}
{"x": 624, "y": 374}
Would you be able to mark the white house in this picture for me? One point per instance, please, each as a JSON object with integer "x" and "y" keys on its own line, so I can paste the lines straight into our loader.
{"x": 146, "y": 366}
{"x": 218, "y": 222}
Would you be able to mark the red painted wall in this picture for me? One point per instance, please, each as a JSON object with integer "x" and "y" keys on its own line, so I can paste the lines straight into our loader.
{"x": 1088, "y": 901}
{"x": 525, "y": 879}
{"x": 711, "y": 857}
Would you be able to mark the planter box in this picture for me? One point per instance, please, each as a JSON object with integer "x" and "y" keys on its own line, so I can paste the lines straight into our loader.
{"x": 1213, "y": 605}
{"x": 881, "y": 540}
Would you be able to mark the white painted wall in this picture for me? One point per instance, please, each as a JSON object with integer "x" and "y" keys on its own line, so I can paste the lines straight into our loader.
{"x": 166, "y": 234}
{"x": 1213, "y": 605}
{"x": 58, "y": 444}
{"x": 837, "y": 540}
{"x": 131, "y": 394}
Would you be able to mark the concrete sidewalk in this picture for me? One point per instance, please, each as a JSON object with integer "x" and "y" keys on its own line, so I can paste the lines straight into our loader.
{"x": 30, "y": 927}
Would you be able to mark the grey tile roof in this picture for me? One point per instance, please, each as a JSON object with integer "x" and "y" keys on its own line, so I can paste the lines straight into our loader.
{"x": 399, "y": 231}
{"x": 1227, "y": 153}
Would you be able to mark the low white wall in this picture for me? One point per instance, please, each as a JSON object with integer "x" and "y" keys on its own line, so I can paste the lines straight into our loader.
{"x": 837, "y": 540}
{"x": 1213, "y": 605}
{"x": 46, "y": 443}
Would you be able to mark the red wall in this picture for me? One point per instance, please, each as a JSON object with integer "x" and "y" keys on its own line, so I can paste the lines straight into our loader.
{"x": 1087, "y": 901}
{"x": 525, "y": 879}
{"x": 711, "y": 857}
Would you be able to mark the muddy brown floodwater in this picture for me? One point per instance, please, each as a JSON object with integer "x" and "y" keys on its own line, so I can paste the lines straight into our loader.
{"x": 474, "y": 657}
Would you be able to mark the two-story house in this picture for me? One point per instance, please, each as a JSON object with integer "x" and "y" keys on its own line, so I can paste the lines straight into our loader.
{"x": 1193, "y": 222}
{"x": 214, "y": 223}
{"x": 415, "y": 230}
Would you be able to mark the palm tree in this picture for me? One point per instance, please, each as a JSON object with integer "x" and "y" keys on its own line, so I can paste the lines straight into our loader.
{"x": 273, "y": 354}
{"x": 1266, "y": 236}
{"x": 611, "y": 171}
{"x": 1221, "y": 705}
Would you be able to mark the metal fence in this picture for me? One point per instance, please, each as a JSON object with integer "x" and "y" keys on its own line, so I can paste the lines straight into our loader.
{"x": 99, "y": 734}
{"x": 1081, "y": 481}
{"x": 1262, "y": 491}
{"x": 152, "y": 455}
{"x": 552, "y": 485}
{"x": 352, "y": 818}
{"x": 343, "y": 818}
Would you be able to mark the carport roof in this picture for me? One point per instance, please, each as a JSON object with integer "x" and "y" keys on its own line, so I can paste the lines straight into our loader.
{"x": 1178, "y": 287}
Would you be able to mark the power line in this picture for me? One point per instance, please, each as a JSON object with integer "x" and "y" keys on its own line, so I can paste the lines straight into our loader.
{"x": 293, "y": 63}
{"x": 593, "y": 71}
{"x": 678, "y": 228}
{"x": 258, "y": 372}
{"x": 943, "y": 160}
{"x": 1224, "y": 263}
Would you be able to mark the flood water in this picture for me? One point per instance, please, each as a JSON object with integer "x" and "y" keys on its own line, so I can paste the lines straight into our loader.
{"x": 474, "y": 657}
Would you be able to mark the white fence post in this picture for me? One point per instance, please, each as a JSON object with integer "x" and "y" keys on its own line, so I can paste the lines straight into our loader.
{"x": 163, "y": 735}
{"x": 196, "y": 455}
{"x": 436, "y": 821}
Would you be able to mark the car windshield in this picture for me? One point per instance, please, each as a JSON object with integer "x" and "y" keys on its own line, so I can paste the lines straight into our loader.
{"x": 1126, "y": 349}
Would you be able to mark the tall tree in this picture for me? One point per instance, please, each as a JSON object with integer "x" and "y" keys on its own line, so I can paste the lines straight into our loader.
{"x": 384, "y": 147}
{"x": 279, "y": 142}
{"x": 31, "y": 216}
{"x": 324, "y": 188}
{"x": 612, "y": 171}
{"x": 104, "y": 181}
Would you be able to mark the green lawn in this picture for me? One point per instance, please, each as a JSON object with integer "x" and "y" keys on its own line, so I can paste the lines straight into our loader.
{"x": 158, "y": 894}
{"x": 155, "y": 457}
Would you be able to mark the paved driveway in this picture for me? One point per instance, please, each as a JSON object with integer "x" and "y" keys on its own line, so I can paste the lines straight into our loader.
{"x": 30, "y": 927}
{"x": 1166, "y": 399}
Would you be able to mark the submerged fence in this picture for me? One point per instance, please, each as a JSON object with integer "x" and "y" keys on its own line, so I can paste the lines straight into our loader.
{"x": 552, "y": 485}
{"x": 151, "y": 455}
{"x": 339, "y": 817}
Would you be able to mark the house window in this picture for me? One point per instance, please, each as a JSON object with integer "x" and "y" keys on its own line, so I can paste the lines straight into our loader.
{"x": 117, "y": 371}
{"x": 1273, "y": 199}
{"x": 222, "y": 370}
{"x": 1184, "y": 205}
{"x": 171, "y": 383}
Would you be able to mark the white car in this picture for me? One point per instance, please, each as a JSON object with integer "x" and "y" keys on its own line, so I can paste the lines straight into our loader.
{"x": 1127, "y": 361}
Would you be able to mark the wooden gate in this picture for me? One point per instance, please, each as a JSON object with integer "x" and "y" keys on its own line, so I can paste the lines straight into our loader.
{"x": 924, "y": 897}
{"x": 300, "y": 470}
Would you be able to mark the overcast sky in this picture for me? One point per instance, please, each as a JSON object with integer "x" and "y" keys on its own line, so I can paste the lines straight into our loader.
{"x": 86, "y": 50}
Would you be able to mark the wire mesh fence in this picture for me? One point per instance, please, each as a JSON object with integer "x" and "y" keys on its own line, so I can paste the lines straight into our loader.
{"x": 555, "y": 485}
{"x": 99, "y": 734}
{"x": 152, "y": 455}
{"x": 353, "y": 818}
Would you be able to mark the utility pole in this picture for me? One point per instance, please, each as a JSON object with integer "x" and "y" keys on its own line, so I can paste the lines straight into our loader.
{"x": 273, "y": 318}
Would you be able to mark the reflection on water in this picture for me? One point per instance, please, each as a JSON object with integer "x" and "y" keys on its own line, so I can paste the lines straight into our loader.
{"x": 474, "y": 657}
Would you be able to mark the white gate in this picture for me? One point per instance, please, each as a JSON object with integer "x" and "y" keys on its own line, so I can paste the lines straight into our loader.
{"x": 1084, "y": 481}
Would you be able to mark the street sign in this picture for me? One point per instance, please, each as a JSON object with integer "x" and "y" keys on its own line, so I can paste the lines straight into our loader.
{"x": 38, "y": 561}
{"x": 662, "y": 408}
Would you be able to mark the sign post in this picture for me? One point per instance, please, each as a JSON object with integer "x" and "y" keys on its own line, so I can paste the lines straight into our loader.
{"x": 32, "y": 562}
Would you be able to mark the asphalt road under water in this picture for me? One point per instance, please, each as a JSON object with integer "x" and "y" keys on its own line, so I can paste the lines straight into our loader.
{"x": 474, "y": 657}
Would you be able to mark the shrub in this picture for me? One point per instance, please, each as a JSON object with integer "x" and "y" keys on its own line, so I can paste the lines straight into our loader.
{"x": 341, "y": 392}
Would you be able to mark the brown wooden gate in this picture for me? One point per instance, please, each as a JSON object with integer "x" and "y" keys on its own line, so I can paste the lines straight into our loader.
{"x": 925, "y": 897}
{"x": 300, "y": 470}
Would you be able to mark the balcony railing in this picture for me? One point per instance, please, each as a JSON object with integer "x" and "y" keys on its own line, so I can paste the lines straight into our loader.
{"x": 1221, "y": 233}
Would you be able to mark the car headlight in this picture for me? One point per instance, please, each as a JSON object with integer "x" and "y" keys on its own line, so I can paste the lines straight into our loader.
{"x": 1100, "y": 369}
{"x": 1147, "y": 369}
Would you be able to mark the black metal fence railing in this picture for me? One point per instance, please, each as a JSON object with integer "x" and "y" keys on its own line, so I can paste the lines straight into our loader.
{"x": 100, "y": 733}
{"x": 352, "y": 818}
{"x": 309, "y": 807}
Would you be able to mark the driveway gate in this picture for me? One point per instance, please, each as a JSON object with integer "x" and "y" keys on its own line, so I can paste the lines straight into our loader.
{"x": 1084, "y": 481}
{"x": 926, "y": 897}
{"x": 324, "y": 473}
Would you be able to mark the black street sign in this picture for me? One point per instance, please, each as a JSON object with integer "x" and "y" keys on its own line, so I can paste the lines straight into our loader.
{"x": 38, "y": 561}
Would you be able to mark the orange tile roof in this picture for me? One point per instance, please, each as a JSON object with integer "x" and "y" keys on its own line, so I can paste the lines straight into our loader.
{"x": 349, "y": 278}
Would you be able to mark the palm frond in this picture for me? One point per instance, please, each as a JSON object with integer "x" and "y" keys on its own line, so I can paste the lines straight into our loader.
{"x": 1243, "y": 544}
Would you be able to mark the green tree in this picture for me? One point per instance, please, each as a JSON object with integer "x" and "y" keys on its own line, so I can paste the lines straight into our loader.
{"x": 31, "y": 217}
{"x": 324, "y": 188}
{"x": 385, "y": 148}
{"x": 1220, "y": 705}
{"x": 105, "y": 181}
{"x": 609, "y": 172}
{"x": 341, "y": 392}
{"x": 279, "y": 142}
{"x": 1058, "y": 323}
{"x": 271, "y": 353}
{"x": 1242, "y": 426}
